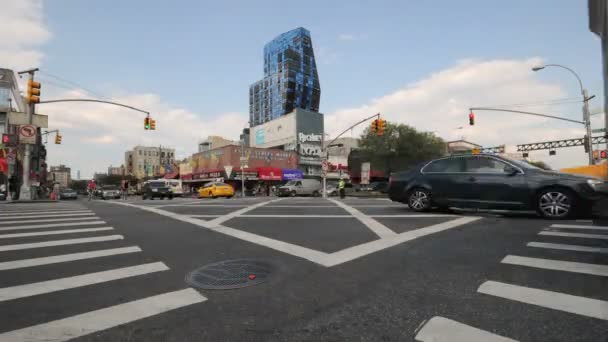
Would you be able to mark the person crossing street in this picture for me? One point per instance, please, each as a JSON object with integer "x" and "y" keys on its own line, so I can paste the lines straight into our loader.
{"x": 341, "y": 186}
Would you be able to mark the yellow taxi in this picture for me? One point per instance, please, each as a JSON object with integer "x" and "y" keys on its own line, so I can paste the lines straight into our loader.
{"x": 216, "y": 189}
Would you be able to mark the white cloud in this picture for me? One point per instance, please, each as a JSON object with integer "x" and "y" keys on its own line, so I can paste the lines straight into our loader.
{"x": 96, "y": 135}
{"x": 439, "y": 103}
{"x": 22, "y": 32}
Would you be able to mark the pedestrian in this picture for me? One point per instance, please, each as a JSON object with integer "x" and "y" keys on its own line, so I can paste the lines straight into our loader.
{"x": 56, "y": 191}
{"x": 341, "y": 186}
{"x": 91, "y": 187}
{"x": 125, "y": 189}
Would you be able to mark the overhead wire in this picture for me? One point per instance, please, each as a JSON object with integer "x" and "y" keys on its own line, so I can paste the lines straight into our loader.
{"x": 73, "y": 84}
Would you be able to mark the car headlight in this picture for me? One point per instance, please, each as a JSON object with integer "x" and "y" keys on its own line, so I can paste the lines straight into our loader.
{"x": 594, "y": 183}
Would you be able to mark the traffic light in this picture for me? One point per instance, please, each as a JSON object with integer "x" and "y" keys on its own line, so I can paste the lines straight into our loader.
{"x": 374, "y": 127}
{"x": 9, "y": 139}
{"x": 33, "y": 91}
{"x": 147, "y": 123}
{"x": 525, "y": 154}
{"x": 471, "y": 119}
{"x": 58, "y": 138}
{"x": 152, "y": 124}
{"x": 381, "y": 126}
{"x": 604, "y": 154}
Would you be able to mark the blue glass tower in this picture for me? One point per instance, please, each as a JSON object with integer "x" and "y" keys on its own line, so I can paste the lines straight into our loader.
{"x": 290, "y": 78}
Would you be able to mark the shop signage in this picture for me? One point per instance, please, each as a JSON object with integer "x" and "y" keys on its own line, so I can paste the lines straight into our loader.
{"x": 292, "y": 174}
{"x": 270, "y": 174}
{"x": 309, "y": 137}
{"x": 249, "y": 175}
{"x": 208, "y": 175}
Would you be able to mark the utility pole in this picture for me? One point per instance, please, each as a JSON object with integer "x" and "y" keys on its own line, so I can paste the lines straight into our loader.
{"x": 587, "y": 120}
{"x": 25, "y": 192}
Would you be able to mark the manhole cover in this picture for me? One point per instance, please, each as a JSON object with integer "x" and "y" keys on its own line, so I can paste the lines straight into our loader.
{"x": 231, "y": 274}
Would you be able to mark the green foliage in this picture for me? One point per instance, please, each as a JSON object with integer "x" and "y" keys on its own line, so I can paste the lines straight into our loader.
{"x": 400, "y": 147}
{"x": 79, "y": 185}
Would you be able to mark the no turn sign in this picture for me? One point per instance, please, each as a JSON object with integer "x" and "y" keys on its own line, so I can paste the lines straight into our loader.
{"x": 27, "y": 134}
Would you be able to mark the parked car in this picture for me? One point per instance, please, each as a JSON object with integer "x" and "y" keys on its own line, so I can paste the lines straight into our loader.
{"x": 67, "y": 193}
{"x": 486, "y": 181}
{"x": 375, "y": 186}
{"x": 109, "y": 192}
{"x": 332, "y": 190}
{"x": 153, "y": 189}
{"x": 216, "y": 189}
{"x": 311, "y": 187}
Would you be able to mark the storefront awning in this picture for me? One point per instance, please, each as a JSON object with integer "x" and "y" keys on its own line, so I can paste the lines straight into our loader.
{"x": 292, "y": 174}
{"x": 171, "y": 175}
{"x": 270, "y": 173}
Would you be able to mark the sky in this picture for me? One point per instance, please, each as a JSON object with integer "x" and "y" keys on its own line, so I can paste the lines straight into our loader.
{"x": 190, "y": 63}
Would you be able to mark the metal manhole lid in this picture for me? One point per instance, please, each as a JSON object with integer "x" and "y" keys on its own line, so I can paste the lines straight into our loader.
{"x": 231, "y": 274}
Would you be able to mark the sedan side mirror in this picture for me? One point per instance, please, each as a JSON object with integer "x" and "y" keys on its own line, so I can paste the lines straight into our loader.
{"x": 510, "y": 170}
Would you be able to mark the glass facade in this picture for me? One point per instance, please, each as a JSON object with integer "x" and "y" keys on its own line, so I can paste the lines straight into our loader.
{"x": 290, "y": 78}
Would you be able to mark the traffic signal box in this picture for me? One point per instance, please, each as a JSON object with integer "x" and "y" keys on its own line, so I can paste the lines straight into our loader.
{"x": 471, "y": 119}
{"x": 33, "y": 91}
{"x": 58, "y": 138}
{"x": 381, "y": 126}
{"x": 152, "y": 124}
{"x": 147, "y": 123}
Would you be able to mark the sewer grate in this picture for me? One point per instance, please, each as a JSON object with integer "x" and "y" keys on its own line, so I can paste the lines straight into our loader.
{"x": 231, "y": 274}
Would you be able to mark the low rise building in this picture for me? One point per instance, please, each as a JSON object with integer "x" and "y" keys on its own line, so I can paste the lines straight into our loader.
{"x": 116, "y": 170}
{"x": 60, "y": 174}
{"x": 149, "y": 161}
{"x": 213, "y": 142}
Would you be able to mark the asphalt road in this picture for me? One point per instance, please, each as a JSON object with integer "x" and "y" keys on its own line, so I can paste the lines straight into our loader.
{"x": 308, "y": 270}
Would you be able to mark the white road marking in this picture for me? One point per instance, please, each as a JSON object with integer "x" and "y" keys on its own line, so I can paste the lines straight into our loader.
{"x": 4, "y": 248}
{"x": 296, "y": 216}
{"x": 578, "y": 226}
{"x": 211, "y": 205}
{"x": 413, "y": 215}
{"x": 33, "y": 289}
{"x": 588, "y": 236}
{"x": 45, "y": 212}
{"x": 301, "y": 206}
{"x": 90, "y": 216}
{"x": 355, "y": 252}
{"x": 9, "y": 265}
{"x": 553, "y": 300}
{"x": 224, "y": 218}
{"x": 84, "y": 324}
{"x": 440, "y": 329}
{"x": 589, "y": 221}
{"x": 15, "y": 210}
{"x": 557, "y": 265}
{"x": 318, "y": 257}
{"x": 378, "y": 228}
{"x": 204, "y": 216}
{"x": 90, "y": 213}
{"x": 55, "y": 232}
{"x": 35, "y": 226}
{"x": 568, "y": 247}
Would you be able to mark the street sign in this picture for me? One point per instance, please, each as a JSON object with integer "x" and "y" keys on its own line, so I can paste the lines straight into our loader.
{"x": 228, "y": 169}
{"x": 325, "y": 165}
{"x": 365, "y": 170}
{"x": 27, "y": 134}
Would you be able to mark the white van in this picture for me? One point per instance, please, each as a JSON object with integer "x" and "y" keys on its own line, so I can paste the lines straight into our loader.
{"x": 176, "y": 186}
{"x": 311, "y": 187}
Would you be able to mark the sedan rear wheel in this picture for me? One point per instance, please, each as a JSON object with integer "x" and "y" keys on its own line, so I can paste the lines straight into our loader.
{"x": 555, "y": 203}
{"x": 419, "y": 200}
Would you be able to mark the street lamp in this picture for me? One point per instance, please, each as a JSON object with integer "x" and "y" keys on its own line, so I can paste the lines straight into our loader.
{"x": 586, "y": 98}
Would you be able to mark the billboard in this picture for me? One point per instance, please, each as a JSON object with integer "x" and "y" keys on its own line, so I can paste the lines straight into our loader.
{"x": 274, "y": 133}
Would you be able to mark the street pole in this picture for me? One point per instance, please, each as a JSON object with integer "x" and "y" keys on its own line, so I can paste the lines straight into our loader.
{"x": 25, "y": 192}
{"x": 587, "y": 120}
{"x": 242, "y": 169}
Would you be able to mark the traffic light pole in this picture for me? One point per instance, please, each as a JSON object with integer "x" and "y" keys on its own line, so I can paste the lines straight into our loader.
{"x": 25, "y": 191}
{"x": 325, "y": 152}
{"x": 98, "y": 101}
{"x": 586, "y": 120}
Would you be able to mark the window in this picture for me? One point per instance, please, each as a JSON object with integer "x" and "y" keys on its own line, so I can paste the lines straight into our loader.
{"x": 299, "y": 184}
{"x": 444, "y": 166}
{"x": 483, "y": 164}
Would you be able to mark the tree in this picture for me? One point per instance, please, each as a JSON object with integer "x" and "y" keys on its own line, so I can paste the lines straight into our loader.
{"x": 400, "y": 147}
{"x": 541, "y": 164}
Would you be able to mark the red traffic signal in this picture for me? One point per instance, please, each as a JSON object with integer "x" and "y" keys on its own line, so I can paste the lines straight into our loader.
{"x": 471, "y": 119}
{"x": 9, "y": 139}
{"x": 604, "y": 154}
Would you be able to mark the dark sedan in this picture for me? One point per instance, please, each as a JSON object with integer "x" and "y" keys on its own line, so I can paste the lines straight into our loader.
{"x": 487, "y": 181}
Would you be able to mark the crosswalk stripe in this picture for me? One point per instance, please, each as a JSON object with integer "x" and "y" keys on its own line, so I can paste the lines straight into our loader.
{"x": 441, "y": 329}
{"x": 28, "y": 290}
{"x": 10, "y": 265}
{"x": 102, "y": 319}
{"x": 568, "y": 247}
{"x": 557, "y": 265}
{"x": 19, "y": 213}
{"x": 29, "y": 209}
{"x": 55, "y": 232}
{"x": 588, "y": 236}
{"x": 579, "y": 226}
{"x": 90, "y": 216}
{"x": 69, "y": 224}
{"x": 46, "y": 215}
{"x": 4, "y": 248}
{"x": 553, "y": 300}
